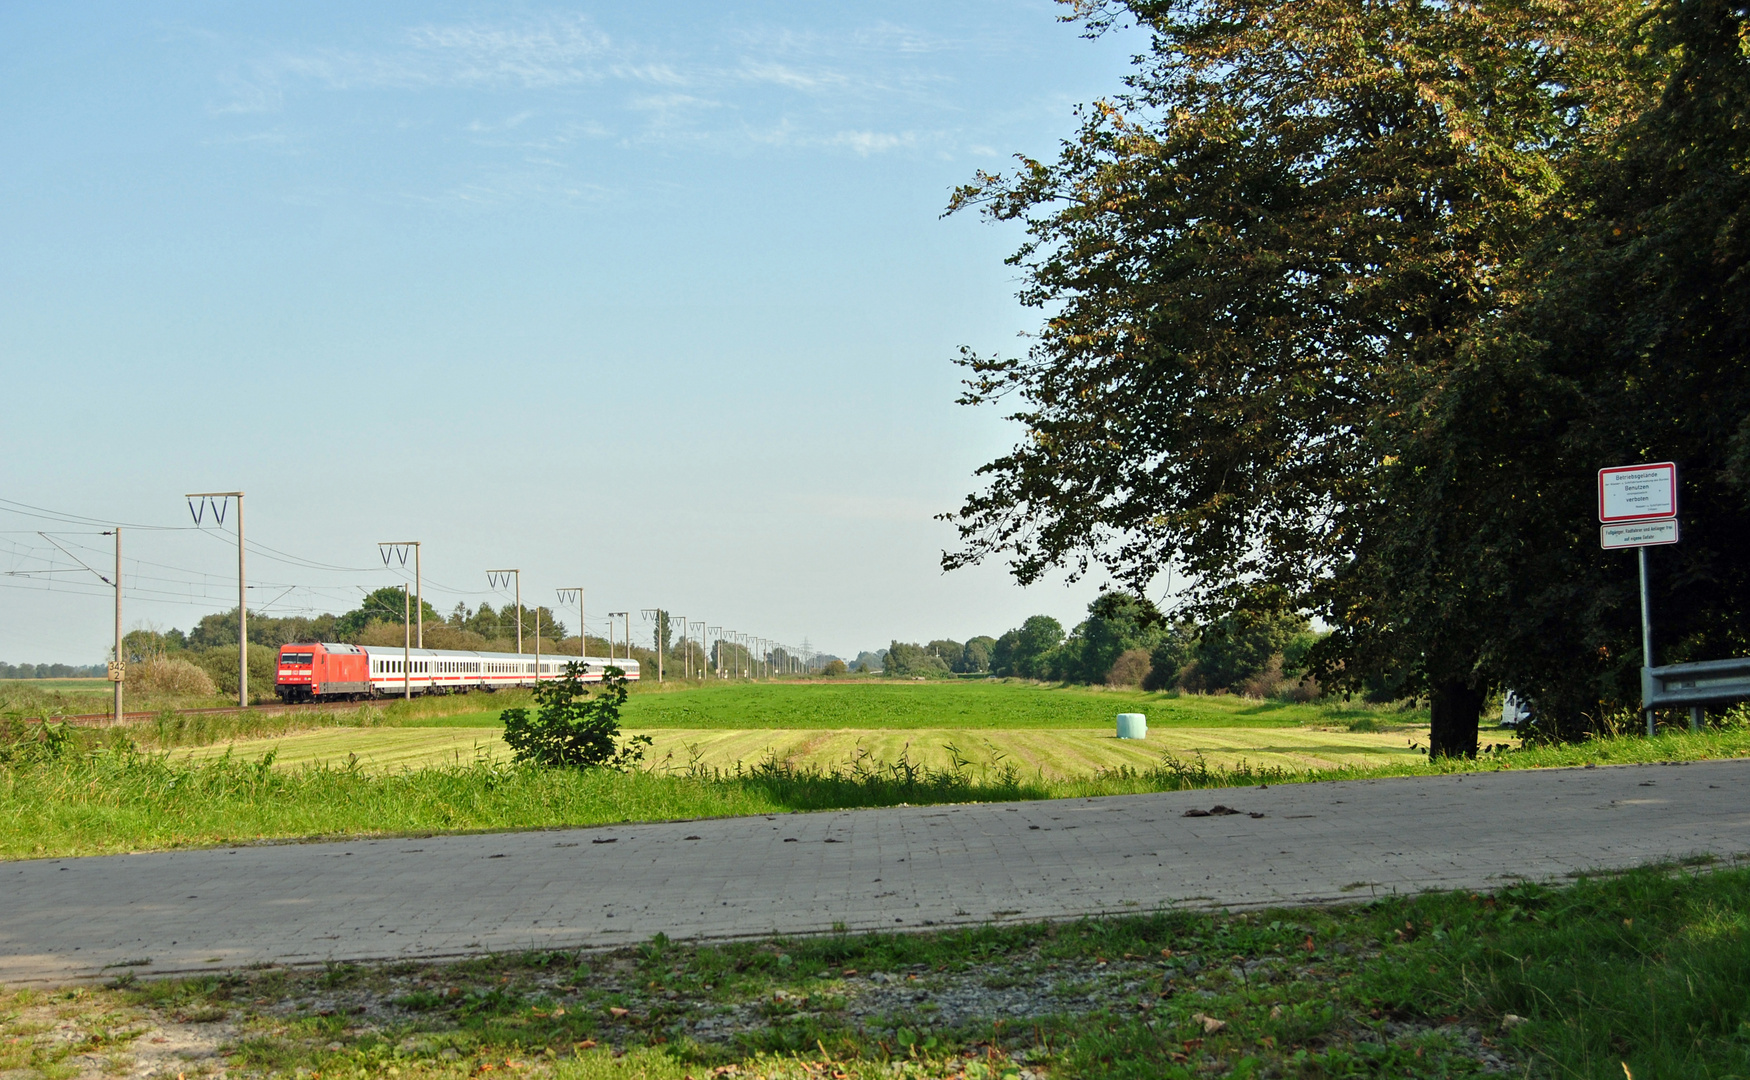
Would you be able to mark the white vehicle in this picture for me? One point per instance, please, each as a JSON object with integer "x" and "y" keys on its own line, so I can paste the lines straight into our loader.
{"x": 1515, "y": 712}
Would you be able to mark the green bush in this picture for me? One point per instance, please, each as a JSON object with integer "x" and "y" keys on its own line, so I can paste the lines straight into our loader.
{"x": 221, "y": 665}
{"x": 571, "y": 730}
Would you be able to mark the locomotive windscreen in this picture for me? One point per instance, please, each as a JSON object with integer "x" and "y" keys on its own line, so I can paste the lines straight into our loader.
{"x": 297, "y": 657}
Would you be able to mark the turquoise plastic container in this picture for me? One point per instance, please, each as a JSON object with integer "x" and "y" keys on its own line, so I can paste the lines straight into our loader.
{"x": 1132, "y": 725}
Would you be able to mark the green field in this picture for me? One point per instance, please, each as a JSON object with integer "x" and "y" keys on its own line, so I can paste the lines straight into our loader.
{"x": 1052, "y": 733}
{"x": 968, "y": 705}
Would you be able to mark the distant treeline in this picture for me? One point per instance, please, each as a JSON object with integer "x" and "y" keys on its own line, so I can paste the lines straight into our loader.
{"x": 1126, "y": 641}
{"x": 51, "y": 671}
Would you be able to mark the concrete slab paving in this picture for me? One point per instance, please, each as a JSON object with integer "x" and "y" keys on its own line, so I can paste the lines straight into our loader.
{"x": 902, "y": 868}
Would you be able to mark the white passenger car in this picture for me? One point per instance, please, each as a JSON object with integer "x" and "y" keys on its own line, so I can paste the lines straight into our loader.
{"x": 444, "y": 671}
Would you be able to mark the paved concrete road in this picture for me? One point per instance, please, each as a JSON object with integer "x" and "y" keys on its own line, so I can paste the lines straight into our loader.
{"x": 63, "y": 919}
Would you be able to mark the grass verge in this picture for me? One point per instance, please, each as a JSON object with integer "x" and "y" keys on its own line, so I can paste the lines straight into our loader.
{"x": 67, "y": 792}
{"x": 1643, "y": 975}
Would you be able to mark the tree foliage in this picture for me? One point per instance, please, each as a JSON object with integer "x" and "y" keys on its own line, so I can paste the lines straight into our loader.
{"x": 1117, "y": 622}
{"x": 975, "y": 656}
{"x": 1346, "y": 302}
{"x": 1628, "y": 342}
{"x": 910, "y": 661}
{"x": 570, "y": 729}
{"x": 1252, "y": 258}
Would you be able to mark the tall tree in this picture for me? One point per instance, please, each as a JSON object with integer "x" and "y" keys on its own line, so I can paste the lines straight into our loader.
{"x": 1631, "y": 343}
{"x": 1255, "y": 260}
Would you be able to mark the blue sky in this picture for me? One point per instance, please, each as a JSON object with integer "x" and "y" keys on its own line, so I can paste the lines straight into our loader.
{"x": 657, "y": 297}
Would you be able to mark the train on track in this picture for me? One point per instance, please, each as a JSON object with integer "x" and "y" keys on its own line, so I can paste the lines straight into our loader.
{"x": 327, "y": 671}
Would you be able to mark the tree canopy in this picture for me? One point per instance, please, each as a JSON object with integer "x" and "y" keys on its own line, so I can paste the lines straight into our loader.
{"x": 1345, "y": 302}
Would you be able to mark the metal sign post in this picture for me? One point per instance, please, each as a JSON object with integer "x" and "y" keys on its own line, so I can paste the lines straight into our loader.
{"x": 406, "y": 645}
{"x": 399, "y": 549}
{"x": 582, "y": 627}
{"x": 216, "y": 499}
{"x": 1637, "y": 508}
{"x": 500, "y": 578}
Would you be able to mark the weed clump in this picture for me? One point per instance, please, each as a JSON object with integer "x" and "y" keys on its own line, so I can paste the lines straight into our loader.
{"x": 571, "y": 730}
{"x": 165, "y": 676}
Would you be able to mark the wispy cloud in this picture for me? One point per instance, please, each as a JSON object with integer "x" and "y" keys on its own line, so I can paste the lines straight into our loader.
{"x": 550, "y": 185}
{"x": 554, "y": 51}
{"x": 778, "y": 74}
{"x": 557, "y": 80}
{"x": 865, "y": 143}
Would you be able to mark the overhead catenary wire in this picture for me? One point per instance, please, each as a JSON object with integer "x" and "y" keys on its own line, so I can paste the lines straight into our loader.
{"x": 33, "y": 568}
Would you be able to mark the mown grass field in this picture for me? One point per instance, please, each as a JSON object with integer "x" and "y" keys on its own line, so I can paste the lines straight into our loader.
{"x": 1641, "y": 976}
{"x": 1044, "y": 732}
{"x": 1036, "y": 752}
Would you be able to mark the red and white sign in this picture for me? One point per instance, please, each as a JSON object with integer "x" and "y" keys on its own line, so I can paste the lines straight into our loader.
{"x": 1637, "y": 493}
{"x": 1638, "y": 534}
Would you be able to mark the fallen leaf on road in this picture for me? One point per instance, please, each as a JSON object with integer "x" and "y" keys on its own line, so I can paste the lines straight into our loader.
{"x": 609, "y": 840}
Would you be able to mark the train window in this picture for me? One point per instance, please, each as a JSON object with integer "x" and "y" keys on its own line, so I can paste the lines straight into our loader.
{"x": 296, "y": 658}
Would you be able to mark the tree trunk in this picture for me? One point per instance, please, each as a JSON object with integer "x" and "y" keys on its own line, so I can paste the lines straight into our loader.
{"x": 1454, "y": 709}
